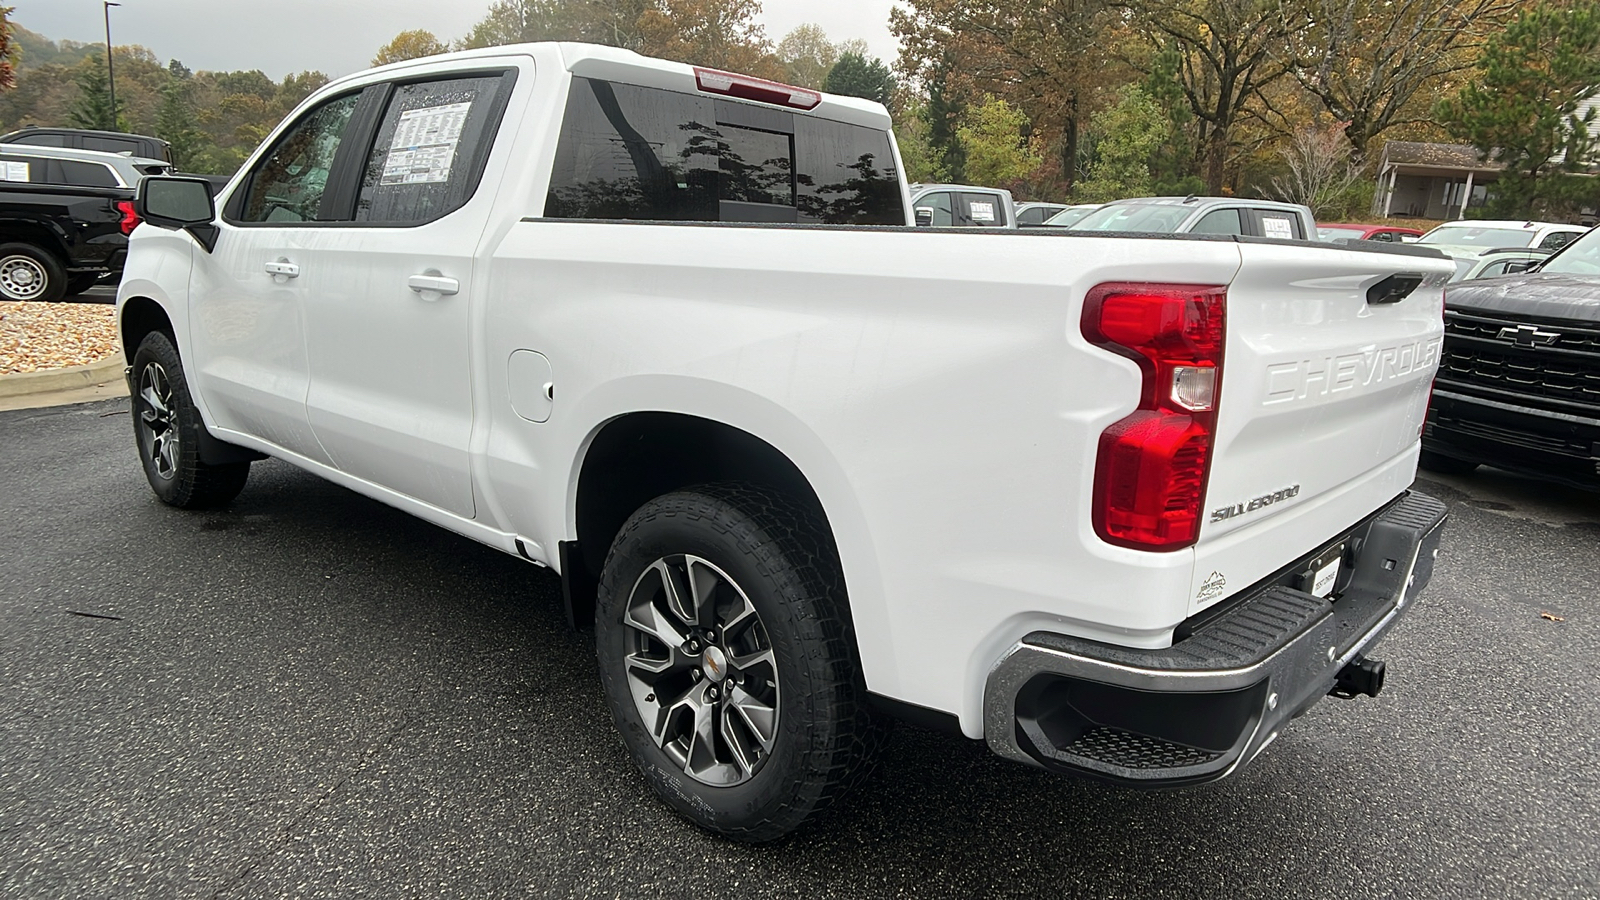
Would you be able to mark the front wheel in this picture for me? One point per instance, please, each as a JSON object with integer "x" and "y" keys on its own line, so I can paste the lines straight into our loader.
{"x": 167, "y": 426}
{"x": 727, "y": 657}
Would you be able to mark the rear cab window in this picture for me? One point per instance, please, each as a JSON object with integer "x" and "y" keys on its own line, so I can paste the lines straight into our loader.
{"x": 1277, "y": 224}
{"x": 647, "y": 154}
{"x": 984, "y": 210}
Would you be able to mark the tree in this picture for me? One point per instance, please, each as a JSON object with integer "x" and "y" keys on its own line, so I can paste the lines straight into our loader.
{"x": 1127, "y": 136}
{"x": 1049, "y": 58}
{"x": 175, "y": 123}
{"x": 943, "y": 114}
{"x": 917, "y": 154}
{"x": 807, "y": 55}
{"x": 93, "y": 107}
{"x": 998, "y": 152}
{"x": 413, "y": 44}
{"x": 721, "y": 34}
{"x": 1376, "y": 64}
{"x": 1522, "y": 110}
{"x": 1321, "y": 173}
{"x": 1228, "y": 51}
{"x": 617, "y": 23}
{"x": 856, "y": 76}
{"x": 8, "y": 50}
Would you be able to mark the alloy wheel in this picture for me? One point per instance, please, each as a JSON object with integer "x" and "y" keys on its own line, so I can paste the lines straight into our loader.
{"x": 701, "y": 670}
{"x": 158, "y": 421}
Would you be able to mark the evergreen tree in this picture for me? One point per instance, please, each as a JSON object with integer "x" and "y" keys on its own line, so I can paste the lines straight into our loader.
{"x": 1522, "y": 111}
{"x": 93, "y": 106}
{"x": 856, "y": 76}
{"x": 175, "y": 123}
{"x": 1130, "y": 134}
{"x": 943, "y": 114}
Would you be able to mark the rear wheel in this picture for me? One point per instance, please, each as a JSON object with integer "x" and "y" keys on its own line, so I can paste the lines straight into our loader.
{"x": 727, "y": 658}
{"x": 167, "y": 426}
{"x": 1445, "y": 465}
{"x": 28, "y": 273}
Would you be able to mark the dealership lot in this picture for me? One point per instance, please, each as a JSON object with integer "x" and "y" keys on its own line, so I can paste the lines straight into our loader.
{"x": 313, "y": 695}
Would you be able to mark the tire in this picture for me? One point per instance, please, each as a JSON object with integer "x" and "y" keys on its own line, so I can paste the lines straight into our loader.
{"x": 30, "y": 274}
{"x": 787, "y": 654}
{"x": 167, "y": 428}
{"x": 77, "y": 284}
{"x": 1445, "y": 465}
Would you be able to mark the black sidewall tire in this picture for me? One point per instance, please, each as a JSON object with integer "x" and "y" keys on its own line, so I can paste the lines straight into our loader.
{"x": 786, "y": 787}
{"x": 193, "y": 484}
{"x": 55, "y": 274}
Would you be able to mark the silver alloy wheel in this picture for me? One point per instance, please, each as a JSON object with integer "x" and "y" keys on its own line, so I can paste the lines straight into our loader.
{"x": 701, "y": 670}
{"x": 158, "y": 422}
{"x": 22, "y": 278}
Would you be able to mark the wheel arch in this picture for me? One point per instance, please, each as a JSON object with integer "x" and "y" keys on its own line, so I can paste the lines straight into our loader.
{"x": 139, "y": 317}
{"x": 634, "y": 456}
{"x": 37, "y": 234}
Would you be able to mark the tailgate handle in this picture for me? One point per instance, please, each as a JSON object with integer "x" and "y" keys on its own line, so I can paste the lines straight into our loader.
{"x": 1394, "y": 288}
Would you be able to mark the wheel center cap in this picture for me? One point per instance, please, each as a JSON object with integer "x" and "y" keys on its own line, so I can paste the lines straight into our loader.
{"x": 715, "y": 664}
{"x": 23, "y": 277}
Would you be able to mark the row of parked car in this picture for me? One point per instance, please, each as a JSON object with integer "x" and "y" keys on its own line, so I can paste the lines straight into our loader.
{"x": 1481, "y": 249}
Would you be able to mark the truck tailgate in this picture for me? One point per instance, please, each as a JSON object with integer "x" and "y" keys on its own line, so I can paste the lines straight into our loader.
{"x": 1323, "y": 398}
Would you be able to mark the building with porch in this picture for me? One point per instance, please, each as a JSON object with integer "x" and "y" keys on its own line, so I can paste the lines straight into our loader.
{"x": 1432, "y": 181}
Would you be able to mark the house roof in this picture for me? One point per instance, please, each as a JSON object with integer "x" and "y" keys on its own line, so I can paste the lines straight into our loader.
{"x": 1439, "y": 156}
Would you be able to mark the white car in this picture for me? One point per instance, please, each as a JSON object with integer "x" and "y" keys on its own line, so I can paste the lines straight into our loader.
{"x": 1473, "y": 236}
{"x": 642, "y": 323}
{"x": 80, "y": 168}
{"x": 1071, "y": 215}
{"x": 1497, "y": 262}
{"x": 1203, "y": 215}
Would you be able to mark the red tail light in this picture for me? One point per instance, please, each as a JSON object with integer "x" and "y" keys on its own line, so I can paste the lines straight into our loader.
{"x": 1150, "y": 476}
{"x": 758, "y": 89}
{"x": 130, "y": 216}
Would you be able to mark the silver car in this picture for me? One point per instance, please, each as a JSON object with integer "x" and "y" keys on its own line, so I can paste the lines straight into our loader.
{"x": 79, "y": 168}
{"x": 1204, "y": 215}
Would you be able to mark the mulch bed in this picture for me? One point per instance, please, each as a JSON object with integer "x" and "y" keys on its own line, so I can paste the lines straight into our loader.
{"x": 39, "y": 336}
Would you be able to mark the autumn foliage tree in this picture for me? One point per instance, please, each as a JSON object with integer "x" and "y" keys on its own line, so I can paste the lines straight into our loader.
{"x": 413, "y": 44}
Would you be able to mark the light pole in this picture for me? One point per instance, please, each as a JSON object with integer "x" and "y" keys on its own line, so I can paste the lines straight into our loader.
{"x": 111, "y": 71}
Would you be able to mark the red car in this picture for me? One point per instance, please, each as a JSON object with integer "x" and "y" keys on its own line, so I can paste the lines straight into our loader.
{"x": 1338, "y": 231}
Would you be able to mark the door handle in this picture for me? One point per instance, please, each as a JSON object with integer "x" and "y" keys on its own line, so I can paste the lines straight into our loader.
{"x": 283, "y": 269}
{"x": 432, "y": 282}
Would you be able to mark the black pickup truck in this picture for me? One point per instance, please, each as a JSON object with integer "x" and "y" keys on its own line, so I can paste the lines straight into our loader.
{"x": 60, "y": 240}
{"x": 1519, "y": 378}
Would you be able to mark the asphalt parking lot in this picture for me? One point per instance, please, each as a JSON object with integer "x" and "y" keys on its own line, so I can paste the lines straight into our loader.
{"x": 311, "y": 695}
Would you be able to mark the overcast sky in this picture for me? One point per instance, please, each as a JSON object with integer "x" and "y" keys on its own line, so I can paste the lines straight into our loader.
{"x": 340, "y": 36}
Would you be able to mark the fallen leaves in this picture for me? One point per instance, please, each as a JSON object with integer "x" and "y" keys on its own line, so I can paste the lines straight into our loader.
{"x": 1550, "y": 616}
{"x": 38, "y": 336}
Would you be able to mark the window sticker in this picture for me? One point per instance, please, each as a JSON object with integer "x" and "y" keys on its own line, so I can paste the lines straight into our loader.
{"x": 982, "y": 211}
{"x": 1277, "y": 227}
{"x": 16, "y": 171}
{"x": 424, "y": 145}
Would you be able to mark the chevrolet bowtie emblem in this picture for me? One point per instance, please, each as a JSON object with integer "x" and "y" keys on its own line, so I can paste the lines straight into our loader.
{"x": 1528, "y": 336}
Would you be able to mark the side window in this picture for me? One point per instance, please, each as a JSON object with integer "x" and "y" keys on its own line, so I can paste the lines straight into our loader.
{"x": 22, "y": 169}
{"x": 1385, "y": 236}
{"x": 1493, "y": 269}
{"x": 110, "y": 145}
{"x": 42, "y": 140}
{"x": 1219, "y": 221}
{"x": 639, "y": 153}
{"x": 984, "y": 210}
{"x": 431, "y": 145}
{"x": 635, "y": 153}
{"x": 287, "y": 185}
{"x": 1278, "y": 225}
{"x": 939, "y": 202}
{"x": 1556, "y": 240}
{"x": 1035, "y": 215}
{"x": 87, "y": 174}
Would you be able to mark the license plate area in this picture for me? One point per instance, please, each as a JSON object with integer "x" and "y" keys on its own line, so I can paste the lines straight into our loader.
{"x": 1322, "y": 576}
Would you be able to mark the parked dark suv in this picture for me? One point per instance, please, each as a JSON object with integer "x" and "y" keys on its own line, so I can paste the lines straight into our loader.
{"x": 1519, "y": 379}
{"x": 84, "y": 139}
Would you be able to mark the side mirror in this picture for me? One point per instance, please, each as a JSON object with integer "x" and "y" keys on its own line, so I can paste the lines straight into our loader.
{"x": 924, "y": 216}
{"x": 179, "y": 203}
{"x": 1520, "y": 265}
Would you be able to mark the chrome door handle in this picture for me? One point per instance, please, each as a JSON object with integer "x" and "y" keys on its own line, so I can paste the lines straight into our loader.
{"x": 433, "y": 281}
{"x": 283, "y": 268}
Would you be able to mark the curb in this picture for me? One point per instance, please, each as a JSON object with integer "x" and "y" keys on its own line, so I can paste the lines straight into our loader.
{"x": 52, "y": 380}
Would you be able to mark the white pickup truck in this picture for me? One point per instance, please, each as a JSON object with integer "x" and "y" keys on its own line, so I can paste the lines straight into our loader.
{"x": 1119, "y": 506}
